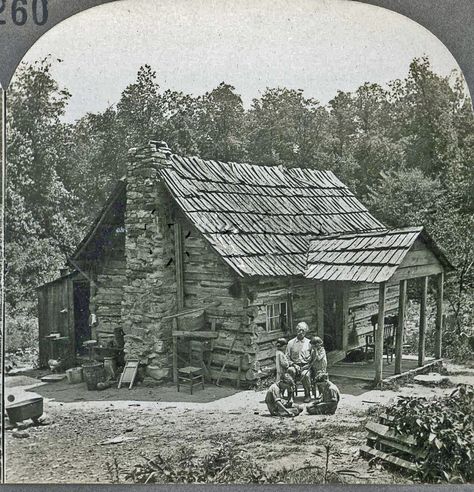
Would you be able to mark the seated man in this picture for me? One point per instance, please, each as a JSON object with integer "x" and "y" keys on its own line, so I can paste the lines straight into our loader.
{"x": 327, "y": 403}
{"x": 298, "y": 352}
{"x": 273, "y": 399}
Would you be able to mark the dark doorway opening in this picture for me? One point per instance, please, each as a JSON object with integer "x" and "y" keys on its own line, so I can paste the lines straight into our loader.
{"x": 333, "y": 317}
{"x": 82, "y": 329}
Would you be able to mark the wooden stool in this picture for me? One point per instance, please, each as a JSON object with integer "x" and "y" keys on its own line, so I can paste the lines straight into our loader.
{"x": 191, "y": 375}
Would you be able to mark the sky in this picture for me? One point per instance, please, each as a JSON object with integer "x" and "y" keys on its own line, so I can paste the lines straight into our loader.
{"x": 320, "y": 46}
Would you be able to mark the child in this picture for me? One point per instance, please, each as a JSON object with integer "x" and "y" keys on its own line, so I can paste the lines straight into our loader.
{"x": 273, "y": 398}
{"x": 327, "y": 403}
{"x": 281, "y": 360}
{"x": 318, "y": 363}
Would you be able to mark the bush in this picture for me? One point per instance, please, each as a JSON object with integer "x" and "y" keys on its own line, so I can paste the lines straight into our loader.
{"x": 22, "y": 332}
{"x": 444, "y": 427}
{"x": 21, "y": 341}
{"x": 223, "y": 464}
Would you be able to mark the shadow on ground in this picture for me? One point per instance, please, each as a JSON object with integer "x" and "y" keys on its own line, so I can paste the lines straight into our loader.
{"x": 64, "y": 392}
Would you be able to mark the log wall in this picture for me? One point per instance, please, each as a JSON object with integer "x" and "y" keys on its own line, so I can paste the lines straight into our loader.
{"x": 108, "y": 294}
{"x": 363, "y": 303}
{"x": 208, "y": 279}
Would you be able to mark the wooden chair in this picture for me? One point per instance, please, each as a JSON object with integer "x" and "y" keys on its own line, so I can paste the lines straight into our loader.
{"x": 390, "y": 325}
{"x": 190, "y": 375}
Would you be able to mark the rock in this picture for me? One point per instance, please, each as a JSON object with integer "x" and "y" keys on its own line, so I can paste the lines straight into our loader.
{"x": 20, "y": 434}
{"x": 431, "y": 379}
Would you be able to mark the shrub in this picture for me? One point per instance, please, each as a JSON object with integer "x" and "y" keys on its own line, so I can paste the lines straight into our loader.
{"x": 22, "y": 332}
{"x": 223, "y": 464}
{"x": 444, "y": 427}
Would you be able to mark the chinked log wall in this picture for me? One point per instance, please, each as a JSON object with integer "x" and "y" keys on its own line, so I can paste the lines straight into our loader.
{"x": 300, "y": 295}
{"x": 207, "y": 279}
{"x": 364, "y": 297}
{"x": 241, "y": 315}
{"x": 108, "y": 294}
{"x": 363, "y": 303}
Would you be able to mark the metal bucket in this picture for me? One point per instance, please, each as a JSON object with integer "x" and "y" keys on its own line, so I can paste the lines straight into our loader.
{"x": 74, "y": 375}
{"x": 93, "y": 373}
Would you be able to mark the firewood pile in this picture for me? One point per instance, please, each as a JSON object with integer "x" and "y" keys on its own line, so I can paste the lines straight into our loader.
{"x": 385, "y": 444}
{"x": 432, "y": 437}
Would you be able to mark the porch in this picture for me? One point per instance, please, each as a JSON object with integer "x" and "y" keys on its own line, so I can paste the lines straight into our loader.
{"x": 387, "y": 260}
{"x": 364, "y": 371}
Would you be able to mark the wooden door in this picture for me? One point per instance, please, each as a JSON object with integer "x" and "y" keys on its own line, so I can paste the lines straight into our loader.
{"x": 333, "y": 316}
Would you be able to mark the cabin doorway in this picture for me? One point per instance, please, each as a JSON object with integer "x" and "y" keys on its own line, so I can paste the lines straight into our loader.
{"x": 82, "y": 329}
{"x": 333, "y": 316}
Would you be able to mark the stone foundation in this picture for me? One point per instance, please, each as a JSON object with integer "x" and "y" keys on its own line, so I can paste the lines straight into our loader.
{"x": 150, "y": 287}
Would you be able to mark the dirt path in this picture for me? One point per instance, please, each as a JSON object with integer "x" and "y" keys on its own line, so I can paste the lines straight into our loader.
{"x": 68, "y": 450}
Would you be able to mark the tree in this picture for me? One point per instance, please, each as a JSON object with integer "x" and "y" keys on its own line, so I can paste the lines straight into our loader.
{"x": 41, "y": 210}
{"x": 286, "y": 128}
{"x": 220, "y": 124}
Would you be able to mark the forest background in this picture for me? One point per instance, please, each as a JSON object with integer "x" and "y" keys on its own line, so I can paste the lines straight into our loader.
{"x": 405, "y": 149}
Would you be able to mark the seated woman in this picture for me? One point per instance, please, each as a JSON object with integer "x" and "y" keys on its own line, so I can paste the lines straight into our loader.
{"x": 327, "y": 403}
{"x": 273, "y": 398}
{"x": 318, "y": 363}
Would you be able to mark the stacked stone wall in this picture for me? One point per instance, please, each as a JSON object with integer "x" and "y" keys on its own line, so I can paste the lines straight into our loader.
{"x": 149, "y": 293}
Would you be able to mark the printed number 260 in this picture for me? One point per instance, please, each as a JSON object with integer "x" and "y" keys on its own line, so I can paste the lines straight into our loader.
{"x": 19, "y": 12}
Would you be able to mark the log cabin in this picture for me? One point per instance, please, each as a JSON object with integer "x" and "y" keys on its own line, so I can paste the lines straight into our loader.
{"x": 216, "y": 261}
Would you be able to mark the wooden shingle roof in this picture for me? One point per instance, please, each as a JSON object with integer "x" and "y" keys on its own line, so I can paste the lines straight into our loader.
{"x": 261, "y": 219}
{"x": 362, "y": 257}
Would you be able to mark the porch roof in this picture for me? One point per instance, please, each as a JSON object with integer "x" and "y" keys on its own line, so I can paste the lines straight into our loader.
{"x": 364, "y": 257}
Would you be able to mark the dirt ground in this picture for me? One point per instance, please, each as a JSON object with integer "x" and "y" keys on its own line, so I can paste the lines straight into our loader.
{"x": 72, "y": 447}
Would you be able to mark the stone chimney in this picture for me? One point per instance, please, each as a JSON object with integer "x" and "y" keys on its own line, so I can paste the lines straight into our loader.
{"x": 149, "y": 293}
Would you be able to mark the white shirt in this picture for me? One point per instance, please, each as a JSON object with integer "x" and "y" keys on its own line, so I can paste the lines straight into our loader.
{"x": 299, "y": 350}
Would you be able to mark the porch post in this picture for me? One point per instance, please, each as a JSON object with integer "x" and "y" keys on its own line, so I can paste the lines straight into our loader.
{"x": 320, "y": 308}
{"x": 379, "y": 334}
{"x": 402, "y": 306}
{"x": 345, "y": 316}
{"x": 439, "y": 316}
{"x": 175, "y": 352}
{"x": 422, "y": 333}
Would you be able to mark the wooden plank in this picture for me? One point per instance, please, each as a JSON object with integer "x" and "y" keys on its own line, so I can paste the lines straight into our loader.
{"x": 423, "y": 322}
{"x": 402, "y": 307}
{"x": 439, "y": 316}
{"x": 175, "y": 353}
{"x": 385, "y": 431}
{"x": 225, "y": 361}
{"x": 379, "y": 335}
{"x": 320, "y": 309}
{"x": 416, "y": 272}
{"x": 195, "y": 334}
{"x": 390, "y": 445}
{"x": 345, "y": 316}
{"x": 178, "y": 256}
{"x": 388, "y": 437}
{"x": 374, "y": 453}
